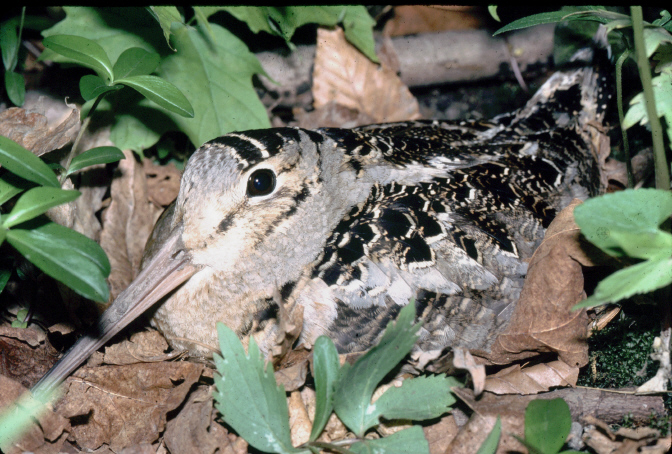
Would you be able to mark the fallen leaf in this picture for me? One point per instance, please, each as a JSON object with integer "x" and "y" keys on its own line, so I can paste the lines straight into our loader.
{"x": 462, "y": 359}
{"x": 143, "y": 347}
{"x": 299, "y": 421}
{"x": 543, "y": 320}
{"x": 440, "y": 435}
{"x": 125, "y": 405}
{"x": 331, "y": 115}
{"x": 46, "y": 435}
{"x": 127, "y": 223}
{"x": 413, "y": 19}
{"x": 163, "y": 182}
{"x": 344, "y": 75}
{"x": 24, "y": 354}
{"x": 32, "y": 131}
{"x": 532, "y": 380}
{"x": 195, "y": 431}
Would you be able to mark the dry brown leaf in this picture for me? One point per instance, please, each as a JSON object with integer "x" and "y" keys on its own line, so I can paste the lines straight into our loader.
{"x": 487, "y": 408}
{"x": 299, "y": 421}
{"x": 532, "y": 380}
{"x": 440, "y": 435}
{"x": 125, "y": 405}
{"x": 143, "y": 347}
{"x": 543, "y": 320}
{"x": 293, "y": 369}
{"x": 195, "y": 431}
{"x": 413, "y": 19}
{"x": 163, "y": 182}
{"x": 344, "y": 75}
{"x": 331, "y": 115}
{"x": 46, "y": 437}
{"x": 32, "y": 131}
{"x": 24, "y": 354}
{"x": 127, "y": 223}
{"x": 462, "y": 359}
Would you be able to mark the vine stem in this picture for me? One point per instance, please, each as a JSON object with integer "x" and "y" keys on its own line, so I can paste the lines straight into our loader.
{"x": 75, "y": 145}
{"x": 661, "y": 165}
{"x": 619, "y": 102}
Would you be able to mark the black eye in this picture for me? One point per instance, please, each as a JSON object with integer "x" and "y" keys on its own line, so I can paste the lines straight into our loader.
{"x": 261, "y": 182}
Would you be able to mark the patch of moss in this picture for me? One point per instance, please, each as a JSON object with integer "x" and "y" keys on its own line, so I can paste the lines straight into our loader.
{"x": 619, "y": 354}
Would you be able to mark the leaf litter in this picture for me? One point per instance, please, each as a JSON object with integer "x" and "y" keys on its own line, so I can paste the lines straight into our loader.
{"x": 130, "y": 400}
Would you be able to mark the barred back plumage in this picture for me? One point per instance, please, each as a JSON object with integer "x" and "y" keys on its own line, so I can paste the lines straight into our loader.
{"x": 348, "y": 226}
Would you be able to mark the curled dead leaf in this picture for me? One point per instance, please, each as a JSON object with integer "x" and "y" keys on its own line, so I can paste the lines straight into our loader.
{"x": 345, "y": 76}
{"x": 127, "y": 223}
{"x": 32, "y": 131}
{"x": 532, "y": 380}
{"x": 543, "y": 320}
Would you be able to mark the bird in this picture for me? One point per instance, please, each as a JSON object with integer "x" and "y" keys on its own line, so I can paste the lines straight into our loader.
{"x": 348, "y": 226}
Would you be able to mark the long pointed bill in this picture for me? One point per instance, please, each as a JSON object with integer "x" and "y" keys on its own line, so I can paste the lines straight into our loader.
{"x": 168, "y": 269}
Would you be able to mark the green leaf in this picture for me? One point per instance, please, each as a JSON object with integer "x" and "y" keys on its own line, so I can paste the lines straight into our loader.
{"x": 9, "y": 43}
{"x": 407, "y": 441}
{"x": 76, "y": 242}
{"x": 417, "y": 399}
{"x": 132, "y": 133}
{"x": 15, "y": 85}
{"x": 83, "y": 51}
{"x": 61, "y": 262}
{"x": 326, "y": 366}
{"x": 544, "y": 18}
{"x": 644, "y": 245}
{"x": 492, "y": 9}
{"x": 358, "y": 26}
{"x": 655, "y": 37}
{"x": 547, "y": 424}
{"x": 216, "y": 77}
{"x": 35, "y": 202}
{"x": 136, "y": 61}
{"x": 94, "y": 156}
{"x": 161, "y": 92}
{"x": 5, "y": 274}
{"x": 636, "y": 212}
{"x": 91, "y": 87}
{"x": 643, "y": 277}
{"x": 491, "y": 442}
{"x": 352, "y": 401}
{"x": 247, "y": 396}
{"x": 166, "y": 15}
{"x": 25, "y": 164}
{"x": 11, "y": 185}
{"x": 283, "y": 21}
{"x": 115, "y": 29}
{"x": 662, "y": 90}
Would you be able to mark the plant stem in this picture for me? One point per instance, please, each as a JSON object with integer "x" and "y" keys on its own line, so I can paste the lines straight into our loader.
{"x": 75, "y": 145}
{"x": 661, "y": 165}
{"x": 619, "y": 102}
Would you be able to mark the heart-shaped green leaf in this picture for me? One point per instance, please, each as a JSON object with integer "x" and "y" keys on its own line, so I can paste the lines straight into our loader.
{"x": 94, "y": 156}
{"x": 161, "y": 92}
{"x": 35, "y": 202}
{"x": 83, "y": 51}
{"x": 25, "y": 164}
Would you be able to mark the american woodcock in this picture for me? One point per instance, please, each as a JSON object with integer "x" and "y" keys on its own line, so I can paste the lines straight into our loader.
{"x": 350, "y": 225}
